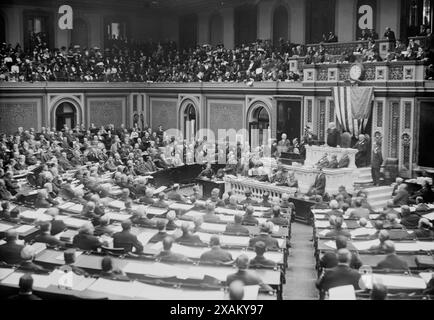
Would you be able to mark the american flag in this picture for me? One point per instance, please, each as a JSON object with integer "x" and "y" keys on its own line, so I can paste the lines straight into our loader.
{"x": 353, "y": 107}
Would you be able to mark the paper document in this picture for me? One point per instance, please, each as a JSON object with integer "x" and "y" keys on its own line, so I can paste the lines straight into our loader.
{"x": 426, "y": 276}
{"x": 117, "y": 204}
{"x": 60, "y": 257}
{"x": 160, "y": 189}
{"x": 331, "y": 244}
{"x": 5, "y": 227}
{"x": 181, "y": 206}
{"x": 251, "y": 292}
{"x": 342, "y": 293}
{"x": 365, "y": 245}
{"x": 118, "y": 216}
{"x": 24, "y": 228}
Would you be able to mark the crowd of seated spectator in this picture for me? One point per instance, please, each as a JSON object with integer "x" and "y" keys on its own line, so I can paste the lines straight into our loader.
{"x": 133, "y": 61}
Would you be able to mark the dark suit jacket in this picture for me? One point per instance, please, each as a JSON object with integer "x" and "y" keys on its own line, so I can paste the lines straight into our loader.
{"x": 48, "y": 239}
{"x": 392, "y": 261}
{"x": 411, "y": 221}
{"x": 172, "y": 257}
{"x": 320, "y": 183}
{"x": 189, "y": 239}
{"x": 127, "y": 240}
{"x": 32, "y": 267}
{"x": 250, "y": 220}
{"x": 330, "y": 260}
{"x": 86, "y": 242}
{"x": 10, "y": 253}
{"x": 236, "y": 229}
{"x": 57, "y": 226}
{"x": 261, "y": 261}
{"x": 341, "y": 275}
{"x": 248, "y": 278}
{"x": 158, "y": 237}
{"x": 216, "y": 254}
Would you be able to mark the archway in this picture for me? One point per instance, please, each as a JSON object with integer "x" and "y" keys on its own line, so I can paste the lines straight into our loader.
{"x": 189, "y": 122}
{"x": 245, "y": 24}
{"x": 280, "y": 24}
{"x": 2, "y": 29}
{"x": 66, "y": 114}
{"x": 259, "y": 126}
{"x": 80, "y": 33}
{"x": 216, "y": 29}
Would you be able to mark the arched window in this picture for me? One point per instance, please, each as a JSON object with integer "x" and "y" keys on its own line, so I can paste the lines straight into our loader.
{"x": 280, "y": 24}
{"x": 80, "y": 33}
{"x": 66, "y": 114}
{"x": 216, "y": 29}
{"x": 259, "y": 127}
{"x": 190, "y": 123}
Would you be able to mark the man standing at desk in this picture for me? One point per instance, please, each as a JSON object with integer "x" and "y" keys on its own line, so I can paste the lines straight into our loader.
{"x": 283, "y": 145}
{"x": 319, "y": 185}
{"x": 333, "y": 135}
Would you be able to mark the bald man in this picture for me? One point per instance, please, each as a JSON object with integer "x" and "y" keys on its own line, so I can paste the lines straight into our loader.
{"x": 341, "y": 275}
{"x": 264, "y": 236}
{"x": 216, "y": 254}
{"x": 187, "y": 237}
{"x": 168, "y": 255}
{"x": 236, "y": 227}
{"x": 391, "y": 261}
{"x": 125, "y": 239}
{"x": 28, "y": 254}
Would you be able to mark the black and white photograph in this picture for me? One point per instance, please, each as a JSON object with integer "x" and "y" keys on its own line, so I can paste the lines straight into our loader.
{"x": 229, "y": 151}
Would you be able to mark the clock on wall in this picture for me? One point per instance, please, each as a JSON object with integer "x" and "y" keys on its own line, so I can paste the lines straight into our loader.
{"x": 356, "y": 72}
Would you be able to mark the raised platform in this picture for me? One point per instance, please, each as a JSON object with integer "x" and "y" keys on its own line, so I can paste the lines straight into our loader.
{"x": 315, "y": 153}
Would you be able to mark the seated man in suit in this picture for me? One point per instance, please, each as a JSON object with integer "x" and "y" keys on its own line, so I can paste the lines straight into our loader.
{"x": 337, "y": 230}
{"x": 187, "y": 237}
{"x": 248, "y": 218}
{"x": 125, "y": 239}
{"x": 46, "y": 237}
{"x": 85, "y": 240}
{"x": 318, "y": 187}
{"x": 207, "y": 173}
{"x": 161, "y": 203}
{"x": 140, "y": 217}
{"x": 409, "y": 220}
{"x": 383, "y": 236}
{"x": 344, "y": 162}
{"x": 10, "y": 252}
{"x": 41, "y": 199}
{"x": 215, "y": 198}
{"x": 26, "y": 289}
{"x": 237, "y": 227}
{"x": 264, "y": 236}
{"x": 246, "y": 277}
{"x": 401, "y": 197}
{"x": 259, "y": 260}
{"x": 232, "y": 203}
{"x": 265, "y": 200}
{"x": 359, "y": 212}
{"x": 320, "y": 203}
{"x": 161, "y": 234}
{"x": 216, "y": 254}
{"x": 14, "y": 216}
{"x": 168, "y": 255}
{"x": 210, "y": 215}
{"x": 109, "y": 272}
{"x": 171, "y": 217}
{"x": 391, "y": 261}
{"x": 69, "y": 258}
{"x": 277, "y": 218}
{"x": 57, "y": 225}
{"x": 148, "y": 197}
{"x": 392, "y": 222}
{"x": 388, "y": 210}
{"x": 175, "y": 195}
{"x": 103, "y": 227}
{"x": 248, "y": 201}
{"x": 341, "y": 275}
{"x": 334, "y": 206}
{"x": 28, "y": 254}
{"x": 330, "y": 259}
{"x": 421, "y": 206}
{"x": 424, "y": 230}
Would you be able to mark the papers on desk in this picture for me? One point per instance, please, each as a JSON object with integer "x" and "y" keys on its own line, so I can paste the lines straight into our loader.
{"x": 115, "y": 228}
{"x": 77, "y": 208}
{"x": 39, "y": 247}
{"x": 2, "y": 242}
{"x": 342, "y": 293}
{"x": 181, "y": 206}
{"x": 36, "y": 215}
{"x": 117, "y": 204}
{"x": 251, "y": 292}
{"x": 262, "y": 220}
{"x": 225, "y": 218}
{"x": 363, "y": 232}
{"x": 322, "y": 224}
{"x": 323, "y": 232}
{"x": 118, "y": 288}
{"x": 160, "y": 189}
{"x": 65, "y": 205}
{"x": 374, "y": 216}
{"x": 155, "y": 211}
{"x": 315, "y": 211}
{"x": 331, "y": 244}
{"x": 194, "y": 214}
{"x": 426, "y": 276}
{"x": 225, "y": 211}
{"x": 406, "y": 246}
{"x": 76, "y": 282}
{"x": 144, "y": 237}
{"x": 429, "y": 216}
{"x": 75, "y": 223}
{"x": 117, "y": 216}
{"x": 5, "y": 227}
{"x": 24, "y": 228}
{"x": 365, "y": 245}
{"x": 39, "y": 281}
{"x": 5, "y": 272}
{"x": 425, "y": 245}
{"x": 213, "y": 227}
{"x": 67, "y": 235}
{"x": 320, "y": 216}
{"x": 394, "y": 281}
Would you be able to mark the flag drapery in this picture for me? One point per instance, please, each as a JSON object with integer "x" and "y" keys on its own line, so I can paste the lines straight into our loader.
{"x": 353, "y": 106}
